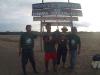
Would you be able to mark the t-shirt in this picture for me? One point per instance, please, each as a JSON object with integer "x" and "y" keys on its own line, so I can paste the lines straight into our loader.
{"x": 56, "y": 34}
{"x": 49, "y": 42}
{"x": 73, "y": 41}
{"x": 62, "y": 44}
{"x": 27, "y": 40}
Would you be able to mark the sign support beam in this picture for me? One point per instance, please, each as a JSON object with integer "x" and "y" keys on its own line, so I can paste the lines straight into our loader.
{"x": 41, "y": 33}
{"x": 70, "y": 14}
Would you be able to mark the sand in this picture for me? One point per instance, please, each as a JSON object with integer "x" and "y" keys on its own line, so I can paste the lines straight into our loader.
{"x": 10, "y": 61}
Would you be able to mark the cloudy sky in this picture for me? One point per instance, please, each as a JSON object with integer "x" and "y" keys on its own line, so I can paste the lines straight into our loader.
{"x": 15, "y": 14}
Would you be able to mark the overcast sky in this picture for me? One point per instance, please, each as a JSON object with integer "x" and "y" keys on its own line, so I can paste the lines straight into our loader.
{"x": 15, "y": 14}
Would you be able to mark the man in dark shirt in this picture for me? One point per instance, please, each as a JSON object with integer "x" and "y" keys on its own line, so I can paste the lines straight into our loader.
{"x": 49, "y": 48}
{"x": 74, "y": 46}
{"x": 26, "y": 49}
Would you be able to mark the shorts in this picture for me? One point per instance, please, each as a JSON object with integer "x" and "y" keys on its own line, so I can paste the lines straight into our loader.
{"x": 50, "y": 56}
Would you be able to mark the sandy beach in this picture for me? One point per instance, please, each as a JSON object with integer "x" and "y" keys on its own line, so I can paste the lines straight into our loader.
{"x": 10, "y": 61}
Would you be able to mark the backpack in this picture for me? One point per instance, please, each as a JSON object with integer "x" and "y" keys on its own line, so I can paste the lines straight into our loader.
{"x": 96, "y": 61}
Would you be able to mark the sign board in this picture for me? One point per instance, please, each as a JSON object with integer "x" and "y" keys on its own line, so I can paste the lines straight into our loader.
{"x": 55, "y": 18}
{"x": 57, "y": 23}
{"x": 65, "y": 12}
{"x": 56, "y": 5}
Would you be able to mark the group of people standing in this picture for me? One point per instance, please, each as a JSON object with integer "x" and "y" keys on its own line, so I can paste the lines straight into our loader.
{"x": 56, "y": 47}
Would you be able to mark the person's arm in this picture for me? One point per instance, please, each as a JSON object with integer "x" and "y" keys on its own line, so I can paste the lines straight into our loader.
{"x": 67, "y": 44}
{"x": 67, "y": 36}
{"x": 20, "y": 45}
{"x": 20, "y": 50}
{"x": 56, "y": 45}
{"x": 79, "y": 45}
{"x": 34, "y": 37}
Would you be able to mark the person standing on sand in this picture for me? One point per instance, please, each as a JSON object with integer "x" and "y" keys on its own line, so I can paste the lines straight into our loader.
{"x": 26, "y": 49}
{"x": 62, "y": 47}
{"x": 74, "y": 45}
{"x": 62, "y": 50}
{"x": 49, "y": 48}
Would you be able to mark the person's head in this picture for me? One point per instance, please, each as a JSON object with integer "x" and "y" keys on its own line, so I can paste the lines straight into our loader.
{"x": 73, "y": 29}
{"x": 64, "y": 29}
{"x": 48, "y": 27}
{"x": 28, "y": 28}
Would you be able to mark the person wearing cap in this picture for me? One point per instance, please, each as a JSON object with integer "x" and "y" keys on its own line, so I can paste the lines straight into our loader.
{"x": 26, "y": 49}
{"x": 62, "y": 47}
{"x": 62, "y": 50}
{"x": 64, "y": 29}
{"x": 49, "y": 48}
{"x": 74, "y": 45}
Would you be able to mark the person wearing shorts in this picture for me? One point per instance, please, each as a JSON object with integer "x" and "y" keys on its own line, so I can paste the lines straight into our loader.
{"x": 49, "y": 48}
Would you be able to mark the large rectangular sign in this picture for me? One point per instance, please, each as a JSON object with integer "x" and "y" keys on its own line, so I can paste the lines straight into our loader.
{"x": 57, "y": 23}
{"x": 55, "y": 18}
{"x": 55, "y": 5}
{"x": 65, "y": 12}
